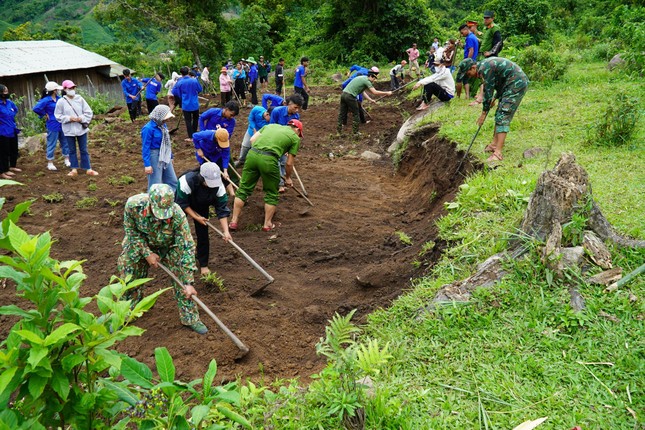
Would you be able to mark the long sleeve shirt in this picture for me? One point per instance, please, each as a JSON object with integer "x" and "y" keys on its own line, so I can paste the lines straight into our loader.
{"x": 145, "y": 234}
{"x": 188, "y": 90}
{"x": 224, "y": 83}
{"x": 275, "y": 100}
{"x": 45, "y": 108}
{"x": 500, "y": 75}
{"x": 151, "y": 137}
{"x": 443, "y": 78}
{"x": 67, "y": 109}
{"x": 8, "y": 112}
{"x": 207, "y": 142}
{"x": 253, "y": 74}
{"x": 280, "y": 115}
{"x": 131, "y": 87}
{"x": 256, "y": 120}
{"x": 212, "y": 119}
{"x": 279, "y": 73}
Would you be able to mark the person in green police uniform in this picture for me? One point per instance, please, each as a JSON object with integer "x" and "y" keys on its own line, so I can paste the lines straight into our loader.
{"x": 156, "y": 230}
{"x": 262, "y": 161}
{"x": 504, "y": 79}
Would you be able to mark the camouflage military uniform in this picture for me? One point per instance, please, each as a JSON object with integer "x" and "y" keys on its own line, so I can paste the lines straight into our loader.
{"x": 510, "y": 83}
{"x": 169, "y": 238}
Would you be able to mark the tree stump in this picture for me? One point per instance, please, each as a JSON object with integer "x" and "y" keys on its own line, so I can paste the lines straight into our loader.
{"x": 558, "y": 195}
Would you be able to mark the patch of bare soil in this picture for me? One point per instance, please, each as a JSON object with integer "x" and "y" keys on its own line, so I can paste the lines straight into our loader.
{"x": 341, "y": 254}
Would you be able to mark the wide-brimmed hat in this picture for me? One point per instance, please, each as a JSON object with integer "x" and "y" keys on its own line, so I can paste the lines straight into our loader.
{"x": 212, "y": 175}
{"x": 52, "y": 86}
{"x": 251, "y": 60}
{"x": 162, "y": 200}
{"x": 222, "y": 138}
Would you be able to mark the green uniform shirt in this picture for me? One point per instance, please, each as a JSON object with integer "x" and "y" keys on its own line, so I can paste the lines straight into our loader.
{"x": 278, "y": 139}
{"x": 358, "y": 85}
{"x": 145, "y": 234}
{"x": 501, "y": 75}
{"x": 487, "y": 38}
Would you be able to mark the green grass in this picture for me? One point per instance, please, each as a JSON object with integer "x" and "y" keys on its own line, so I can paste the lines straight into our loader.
{"x": 517, "y": 351}
{"x": 93, "y": 32}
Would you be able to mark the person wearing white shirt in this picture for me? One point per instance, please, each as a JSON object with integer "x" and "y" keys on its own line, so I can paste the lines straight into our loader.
{"x": 440, "y": 84}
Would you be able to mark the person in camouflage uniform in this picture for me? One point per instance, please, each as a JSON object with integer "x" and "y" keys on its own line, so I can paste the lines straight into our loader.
{"x": 156, "y": 230}
{"x": 509, "y": 83}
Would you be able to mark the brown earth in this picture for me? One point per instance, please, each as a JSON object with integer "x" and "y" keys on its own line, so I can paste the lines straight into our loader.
{"x": 341, "y": 254}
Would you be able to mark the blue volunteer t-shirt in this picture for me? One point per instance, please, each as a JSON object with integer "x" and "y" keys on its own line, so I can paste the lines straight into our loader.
{"x": 471, "y": 42}
{"x": 273, "y": 98}
{"x": 280, "y": 115}
{"x": 152, "y": 89}
{"x": 300, "y": 72}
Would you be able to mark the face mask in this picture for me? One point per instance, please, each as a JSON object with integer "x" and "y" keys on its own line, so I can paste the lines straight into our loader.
{"x": 4, "y": 96}
{"x": 71, "y": 93}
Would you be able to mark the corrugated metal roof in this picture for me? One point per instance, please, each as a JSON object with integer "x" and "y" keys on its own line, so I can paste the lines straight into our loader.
{"x": 40, "y": 56}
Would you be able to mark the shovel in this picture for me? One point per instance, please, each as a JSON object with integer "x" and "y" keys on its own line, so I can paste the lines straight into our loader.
{"x": 299, "y": 192}
{"x": 249, "y": 259}
{"x": 174, "y": 130}
{"x": 243, "y": 348}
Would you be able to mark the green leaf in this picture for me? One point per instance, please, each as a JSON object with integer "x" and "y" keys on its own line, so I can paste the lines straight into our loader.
{"x": 121, "y": 391}
{"x": 30, "y": 336}
{"x": 16, "y": 311}
{"x": 36, "y": 385}
{"x": 71, "y": 361}
{"x": 147, "y": 303}
{"x": 111, "y": 357}
{"x": 180, "y": 423}
{"x": 37, "y": 353}
{"x": 209, "y": 376}
{"x": 198, "y": 413}
{"x": 60, "y": 384}
{"x": 13, "y": 274}
{"x": 233, "y": 416}
{"x": 60, "y": 333}
{"x": 165, "y": 366}
{"x": 6, "y": 377}
{"x": 136, "y": 372}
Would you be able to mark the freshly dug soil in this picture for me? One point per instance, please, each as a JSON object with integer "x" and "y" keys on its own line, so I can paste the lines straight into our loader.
{"x": 341, "y": 254}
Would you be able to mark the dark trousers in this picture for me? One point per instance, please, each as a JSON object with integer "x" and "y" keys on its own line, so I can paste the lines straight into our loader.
{"x": 433, "y": 89}
{"x": 304, "y": 95}
{"x": 152, "y": 104}
{"x": 8, "y": 153}
{"x": 225, "y": 96}
{"x": 191, "y": 117}
{"x": 278, "y": 86}
{"x": 240, "y": 88}
{"x": 133, "y": 109}
{"x": 394, "y": 82}
{"x": 201, "y": 231}
{"x": 348, "y": 103}
{"x": 254, "y": 93}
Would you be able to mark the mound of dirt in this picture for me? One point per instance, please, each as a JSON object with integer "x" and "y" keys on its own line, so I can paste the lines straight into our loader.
{"x": 343, "y": 253}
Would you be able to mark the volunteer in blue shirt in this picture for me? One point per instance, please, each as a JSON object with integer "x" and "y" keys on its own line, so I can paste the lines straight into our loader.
{"x": 258, "y": 118}
{"x": 357, "y": 70}
{"x": 153, "y": 86}
{"x": 45, "y": 109}
{"x": 282, "y": 115}
{"x": 253, "y": 80}
{"x": 239, "y": 86}
{"x": 274, "y": 99}
{"x": 8, "y": 135}
{"x": 187, "y": 89}
{"x": 300, "y": 82}
{"x": 215, "y": 146}
{"x": 156, "y": 149}
{"x": 215, "y": 118}
{"x": 471, "y": 50}
{"x": 131, "y": 87}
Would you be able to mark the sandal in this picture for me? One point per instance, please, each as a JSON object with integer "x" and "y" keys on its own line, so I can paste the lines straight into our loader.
{"x": 74, "y": 172}
{"x": 92, "y": 172}
{"x": 489, "y": 148}
{"x": 496, "y": 156}
{"x": 273, "y": 227}
{"x": 232, "y": 226}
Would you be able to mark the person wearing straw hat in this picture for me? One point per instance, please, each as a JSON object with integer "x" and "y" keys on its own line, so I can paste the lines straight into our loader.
{"x": 157, "y": 231}
{"x": 45, "y": 109}
{"x": 75, "y": 114}
{"x": 225, "y": 86}
{"x": 196, "y": 193}
{"x": 269, "y": 144}
{"x": 156, "y": 149}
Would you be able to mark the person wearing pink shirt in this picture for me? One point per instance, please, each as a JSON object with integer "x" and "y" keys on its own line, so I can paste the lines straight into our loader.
{"x": 413, "y": 60}
{"x": 225, "y": 86}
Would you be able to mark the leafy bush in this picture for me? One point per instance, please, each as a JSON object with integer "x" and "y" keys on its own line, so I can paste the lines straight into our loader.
{"x": 522, "y": 17}
{"x": 541, "y": 64}
{"x": 617, "y": 126}
{"x": 99, "y": 104}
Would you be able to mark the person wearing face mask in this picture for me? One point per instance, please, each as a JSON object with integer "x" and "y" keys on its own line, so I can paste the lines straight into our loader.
{"x": 156, "y": 149}
{"x": 73, "y": 112}
{"x": 45, "y": 109}
{"x": 8, "y": 135}
{"x": 440, "y": 84}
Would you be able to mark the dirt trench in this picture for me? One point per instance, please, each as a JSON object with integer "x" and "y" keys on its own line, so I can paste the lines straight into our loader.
{"x": 343, "y": 253}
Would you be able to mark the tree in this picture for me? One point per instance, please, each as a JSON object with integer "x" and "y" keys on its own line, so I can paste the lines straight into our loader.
{"x": 249, "y": 34}
{"x": 26, "y": 31}
{"x": 195, "y": 25}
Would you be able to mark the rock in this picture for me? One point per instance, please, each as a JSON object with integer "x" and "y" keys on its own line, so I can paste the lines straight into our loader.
{"x": 606, "y": 277}
{"x": 577, "y": 302}
{"x": 337, "y": 77}
{"x": 597, "y": 250}
{"x": 368, "y": 384}
{"x": 410, "y": 126}
{"x": 572, "y": 257}
{"x": 532, "y": 152}
{"x": 371, "y": 156}
{"x": 34, "y": 143}
{"x": 615, "y": 62}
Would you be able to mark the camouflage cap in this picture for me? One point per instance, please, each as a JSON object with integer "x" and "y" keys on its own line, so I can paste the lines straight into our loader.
{"x": 162, "y": 199}
{"x": 464, "y": 66}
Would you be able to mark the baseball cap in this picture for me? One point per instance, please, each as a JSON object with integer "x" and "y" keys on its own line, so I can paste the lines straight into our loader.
{"x": 68, "y": 84}
{"x": 375, "y": 69}
{"x": 297, "y": 124}
{"x": 211, "y": 174}
{"x": 464, "y": 66}
{"x": 489, "y": 14}
{"x": 222, "y": 138}
{"x": 51, "y": 86}
{"x": 162, "y": 199}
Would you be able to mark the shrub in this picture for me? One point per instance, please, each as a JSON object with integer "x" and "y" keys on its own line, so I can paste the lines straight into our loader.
{"x": 541, "y": 64}
{"x": 99, "y": 104}
{"x": 616, "y": 127}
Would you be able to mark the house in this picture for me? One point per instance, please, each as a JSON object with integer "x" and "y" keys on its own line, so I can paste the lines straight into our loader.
{"x": 25, "y": 67}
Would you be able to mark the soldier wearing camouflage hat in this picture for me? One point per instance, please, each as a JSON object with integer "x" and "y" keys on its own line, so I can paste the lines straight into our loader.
{"x": 156, "y": 230}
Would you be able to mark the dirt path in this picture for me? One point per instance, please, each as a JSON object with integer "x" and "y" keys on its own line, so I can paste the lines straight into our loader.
{"x": 314, "y": 256}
